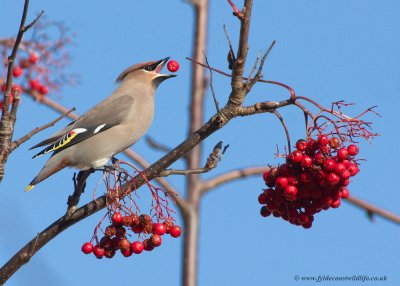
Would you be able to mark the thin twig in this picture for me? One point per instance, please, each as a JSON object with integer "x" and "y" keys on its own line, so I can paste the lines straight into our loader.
{"x": 232, "y": 176}
{"x": 211, "y": 84}
{"x": 372, "y": 209}
{"x": 236, "y": 11}
{"x": 155, "y": 145}
{"x": 284, "y": 127}
{"x": 292, "y": 93}
{"x": 254, "y": 68}
{"x": 231, "y": 54}
{"x": 212, "y": 161}
{"x": 252, "y": 81}
{"x": 28, "y": 136}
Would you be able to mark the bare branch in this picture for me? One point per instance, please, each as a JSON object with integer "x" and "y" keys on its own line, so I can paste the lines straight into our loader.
{"x": 253, "y": 69}
{"x": 231, "y": 54}
{"x": 284, "y": 127}
{"x": 155, "y": 145}
{"x": 238, "y": 94}
{"x": 28, "y": 136}
{"x": 252, "y": 81}
{"x": 8, "y": 119}
{"x": 262, "y": 107}
{"x": 212, "y": 161}
{"x": 211, "y": 84}
{"x": 373, "y": 210}
{"x": 232, "y": 176}
{"x": 236, "y": 11}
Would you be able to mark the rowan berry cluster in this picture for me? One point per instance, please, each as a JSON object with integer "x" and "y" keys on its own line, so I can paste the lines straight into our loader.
{"x": 116, "y": 237}
{"x": 314, "y": 178}
{"x": 19, "y": 70}
{"x": 40, "y": 63}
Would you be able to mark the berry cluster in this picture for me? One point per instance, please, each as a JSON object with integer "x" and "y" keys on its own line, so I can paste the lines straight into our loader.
{"x": 19, "y": 71}
{"x": 314, "y": 178}
{"x": 115, "y": 235}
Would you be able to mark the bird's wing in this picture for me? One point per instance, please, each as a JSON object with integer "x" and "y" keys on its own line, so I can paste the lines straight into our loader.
{"x": 55, "y": 137}
{"x": 107, "y": 114}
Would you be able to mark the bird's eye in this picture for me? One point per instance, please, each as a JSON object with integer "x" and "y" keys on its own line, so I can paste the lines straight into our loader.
{"x": 148, "y": 68}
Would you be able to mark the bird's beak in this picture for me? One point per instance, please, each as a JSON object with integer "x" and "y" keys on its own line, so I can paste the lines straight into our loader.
{"x": 159, "y": 67}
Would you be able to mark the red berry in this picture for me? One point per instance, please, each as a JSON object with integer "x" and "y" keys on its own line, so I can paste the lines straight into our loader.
{"x": 116, "y": 218}
{"x": 175, "y": 231}
{"x": 342, "y": 154}
{"x": 137, "y": 228}
{"x": 332, "y": 179}
{"x": 293, "y": 180}
{"x": 173, "y": 66}
{"x": 126, "y": 252}
{"x": 264, "y": 211}
{"x": 326, "y": 201}
{"x": 147, "y": 245}
{"x": 353, "y": 169}
{"x": 159, "y": 228}
{"x": 98, "y": 251}
{"x": 124, "y": 244}
{"x": 323, "y": 140}
{"x": 137, "y": 247}
{"x": 285, "y": 170}
{"x": 344, "y": 193}
{"x": 319, "y": 159}
{"x": 334, "y": 143}
{"x": 109, "y": 252}
{"x": 262, "y": 199}
{"x": 306, "y": 162}
{"x": 33, "y": 58}
{"x": 301, "y": 145}
{"x": 17, "y": 71}
{"x": 87, "y": 247}
{"x": 34, "y": 84}
{"x": 353, "y": 150}
{"x": 281, "y": 182}
{"x": 335, "y": 204}
{"x": 120, "y": 231}
{"x": 291, "y": 192}
{"x": 156, "y": 240}
{"x": 303, "y": 218}
{"x": 296, "y": 156}
{"x": 345, "y": 175}
{"x": 42, "y": 89}
{"x": 329, "y": 165}
{"x": 340, "y": 168}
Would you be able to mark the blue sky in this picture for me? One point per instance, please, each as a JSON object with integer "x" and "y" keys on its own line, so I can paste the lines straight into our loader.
{"x": 326, "y": 50}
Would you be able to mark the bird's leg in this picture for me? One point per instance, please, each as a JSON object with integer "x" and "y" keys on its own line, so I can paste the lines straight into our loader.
{"x": 79, "y": 188}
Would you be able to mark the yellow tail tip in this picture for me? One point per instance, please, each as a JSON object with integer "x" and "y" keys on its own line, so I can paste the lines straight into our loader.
{"x": 28, "y": 188}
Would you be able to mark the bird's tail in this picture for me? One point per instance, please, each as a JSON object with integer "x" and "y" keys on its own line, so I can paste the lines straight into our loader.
{"x": 53, "y": 165}
{"x": 31, "y": 184}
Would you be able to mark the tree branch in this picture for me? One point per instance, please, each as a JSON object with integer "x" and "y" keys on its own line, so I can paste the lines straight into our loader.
{"x": 155, "y": 145}
{"x": 231, "y": 176}
{"x": 8, "y": 119}
{"x": 212, "y": 162}
{"x": 373, "y": 210}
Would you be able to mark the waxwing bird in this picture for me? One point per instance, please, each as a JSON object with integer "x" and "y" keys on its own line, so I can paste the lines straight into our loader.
{"x": 108, "y": 128}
